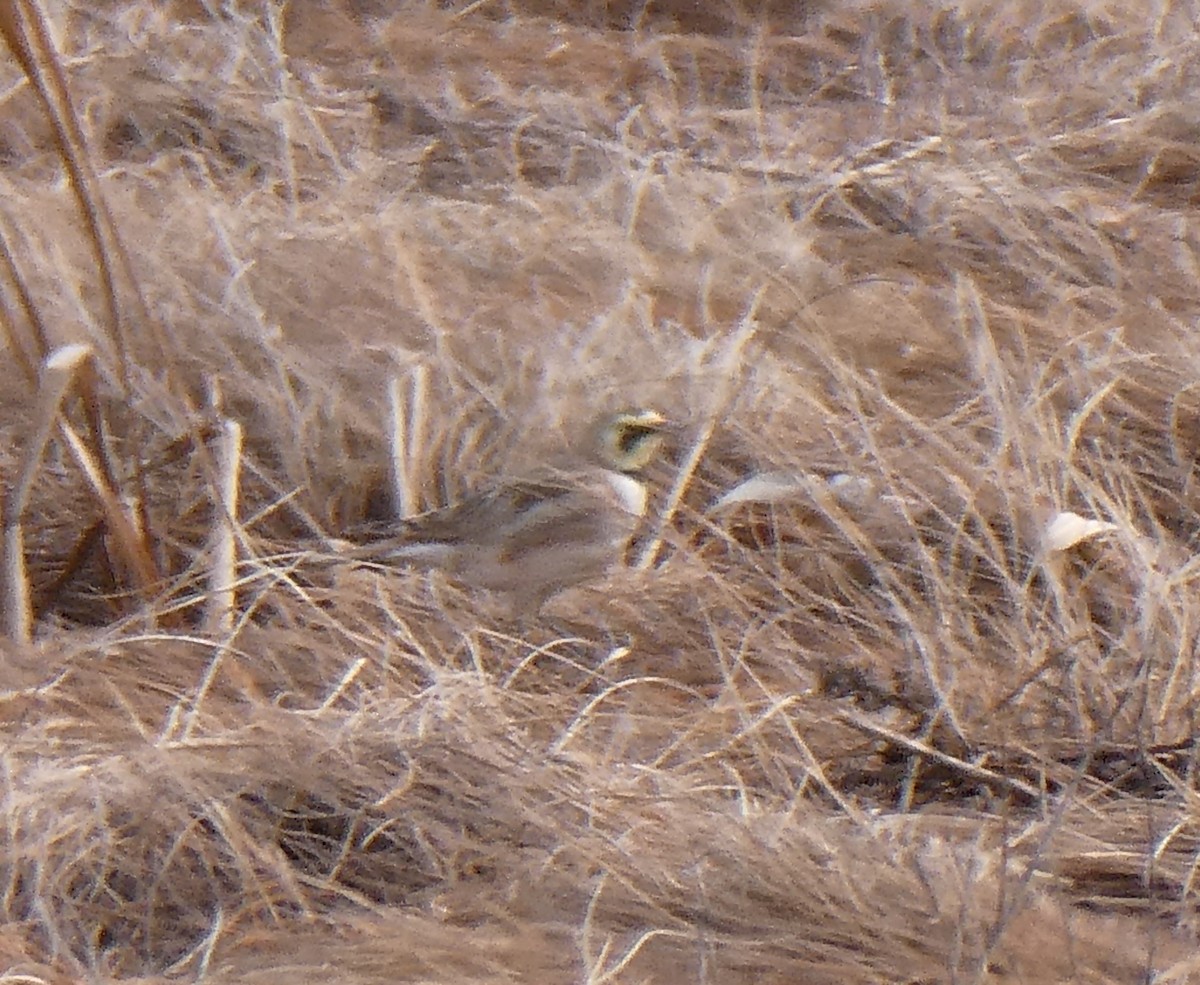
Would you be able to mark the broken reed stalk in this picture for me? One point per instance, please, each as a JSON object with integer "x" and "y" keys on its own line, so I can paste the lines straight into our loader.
{"x": 58, "y": 372}
{"x": 134, "y": 549}
{"x": 222, "y": 576}
{"x": 128, "y": 537}
{"x": 24, "y": 29}
{"x": 409, "y": 422}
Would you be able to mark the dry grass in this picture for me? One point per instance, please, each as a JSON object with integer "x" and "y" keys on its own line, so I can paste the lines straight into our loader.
{"x": 931, "y": 265}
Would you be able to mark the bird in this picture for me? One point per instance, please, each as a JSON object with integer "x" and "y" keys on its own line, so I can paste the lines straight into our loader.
{"x": 531, "y": 537}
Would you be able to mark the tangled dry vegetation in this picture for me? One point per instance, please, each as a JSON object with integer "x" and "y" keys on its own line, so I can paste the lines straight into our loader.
{"x": 916, "y": 279}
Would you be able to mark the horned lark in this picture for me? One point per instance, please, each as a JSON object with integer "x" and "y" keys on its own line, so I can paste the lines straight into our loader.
{"x": 532, "y": 537}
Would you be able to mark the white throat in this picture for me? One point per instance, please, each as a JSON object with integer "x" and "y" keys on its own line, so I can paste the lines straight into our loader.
{"x": 630, "y": 492}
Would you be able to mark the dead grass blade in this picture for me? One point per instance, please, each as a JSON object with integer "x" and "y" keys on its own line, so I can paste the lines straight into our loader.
{"x": 130, "y": 540}
{"x": 27, "y": 361}
{"x": 58, "y": 372}
{"x": 222, "y": 576}
{"x": 729, "y": 360}
{"x": 977, "y": 773}
{"x": 407, "y": 432}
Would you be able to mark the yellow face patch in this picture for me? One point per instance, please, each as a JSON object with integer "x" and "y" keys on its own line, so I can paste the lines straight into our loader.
{"x": 632, "y": 440}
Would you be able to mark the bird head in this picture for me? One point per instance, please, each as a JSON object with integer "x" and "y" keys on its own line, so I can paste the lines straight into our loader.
{"x": 632, "y": 439}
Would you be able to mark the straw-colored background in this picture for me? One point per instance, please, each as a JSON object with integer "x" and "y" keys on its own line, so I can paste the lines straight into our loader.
{"x": 942, "y": 255}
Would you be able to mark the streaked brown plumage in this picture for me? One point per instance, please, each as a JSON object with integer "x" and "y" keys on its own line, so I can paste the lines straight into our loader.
{"x": 533, "y": 537}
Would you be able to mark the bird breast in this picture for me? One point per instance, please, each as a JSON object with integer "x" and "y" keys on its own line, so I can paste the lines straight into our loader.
{"x": 631, "y": 494}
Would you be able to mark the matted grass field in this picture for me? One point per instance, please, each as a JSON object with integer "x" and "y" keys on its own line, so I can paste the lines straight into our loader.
{"x": 900, "y": 681}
